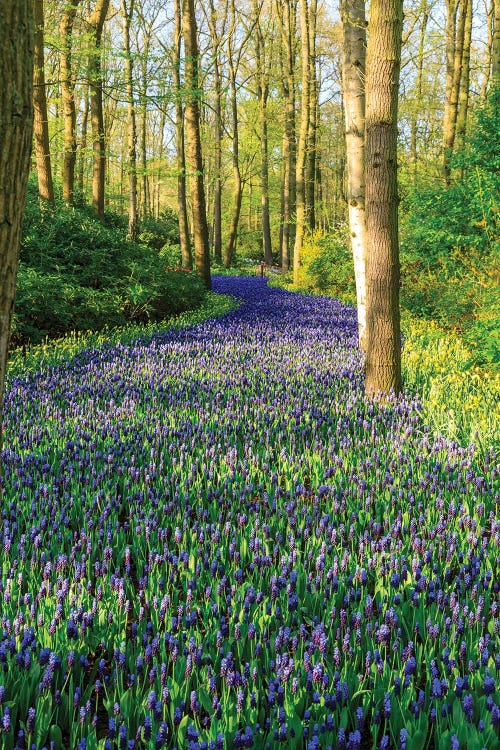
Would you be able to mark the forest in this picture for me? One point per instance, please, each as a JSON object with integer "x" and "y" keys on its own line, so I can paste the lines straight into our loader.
{"x": 249, "y": 374}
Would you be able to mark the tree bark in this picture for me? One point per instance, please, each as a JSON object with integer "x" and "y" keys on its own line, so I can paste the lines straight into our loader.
{"x": 145, "y": 191}
{"x": 41, "y": 123}
{"x": 193, "y": 142}
{"x": 302, "y": 142}
{"x": 495, "y": 55}
{"x": 454, "y": 53}
{"x": 353, "y": 80}
{"x": 230, "y": 248}
{"x": 96, "y": 25}
{"x": 68, "y": 101}
{"x": 383, "y": 354}
{"x": 82, "y": 159}
{"x": 184, "y": 238}
{"x": 216, "y": 40}
{"x": 133, "y": 222}
{"x": 489, "y": 8}
{"x": 16, "y": 134}
{"x": 311, "y": 171}
{"x": 287, "y": 17}
{"x": 463, "y": 98}
{"x": 263, "y": 95}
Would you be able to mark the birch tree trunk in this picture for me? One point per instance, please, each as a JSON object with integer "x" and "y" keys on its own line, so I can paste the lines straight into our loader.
{"x": 353, "y": 79}
{"x": 133, "y": 223}
{"x": 184, "y": 238}
{"x": 193, "y": 142}
{"x": 96, "y": 25}
{"x": 302, "y": 142}
{"x": 68, "y": 101}
{"x": 383, "y": 353}
{"x": 16, "y": 133}
{"x": 41, "y": 123}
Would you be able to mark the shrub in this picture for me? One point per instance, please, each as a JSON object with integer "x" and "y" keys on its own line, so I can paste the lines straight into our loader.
{"x": 77, "y": 273}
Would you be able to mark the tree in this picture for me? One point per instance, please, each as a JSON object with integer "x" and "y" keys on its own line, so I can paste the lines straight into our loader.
{"x": 383, "y": 353}
{"x": 133, "y": 224}
{"x": 68, "y": 100}
{"x": 495, "y": 54}
{"x": 312, "y": 134}
{"x": 287, "y": 17}
{"x": 463, "y": 98}
{"x": 41, "y": 123}
{"x": 16, "y": 132}
{"x": 353, "y": 81}
{"x": 217, "y": 21}
{"x": 234, "y": 60}
{"x": 193, "y": 142}
{"x": 300, "y": 167}
{"x": 185, "y": 240}
{"x": 455, "y": 34}
{"x": 262, "y": 73}
{"x": 96, "y": 24}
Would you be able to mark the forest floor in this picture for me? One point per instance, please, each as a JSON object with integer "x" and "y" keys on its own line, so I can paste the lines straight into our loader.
{"x": 210, "y": 536}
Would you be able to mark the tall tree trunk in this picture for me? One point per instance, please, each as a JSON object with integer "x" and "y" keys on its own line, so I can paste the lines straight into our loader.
{"x": 353, "y": 80}
{"x": 383, "y": 353}
{"x": 96, "y": 24}
{"x": 16, "y": 134}
{"x": 216, "y": 39}
{"x": 217, "y": 209}
{"x": 495, "y": 56}
{"x": 68, "y": 101}
{"x": 302, "y": 142}
{"x": 41, "y": 125}
{"x": 263, "y": 94}
{"x": 230, "y": 248}
{"x": 185, "y": 240}
{"x": 454, "y": 58}
{"x": 419, "y": 87}
{"x": 133, "y": 223}
{"x": 193, "y": 142}
{"x": 82, "y": 161}
{"x": 490, "y": 31}
{"x": 160, "y": 155}
{"x": 311, "y": 172}
{"x": 145, "y": 191}
{"x": 463, "y": 99}
{"x": 287, "y": 16}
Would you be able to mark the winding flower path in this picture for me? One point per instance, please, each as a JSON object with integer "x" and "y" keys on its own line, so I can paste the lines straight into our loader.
{"x": 211, "y": 540}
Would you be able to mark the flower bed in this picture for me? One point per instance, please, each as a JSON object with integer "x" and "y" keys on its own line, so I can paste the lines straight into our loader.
{"x": 210, "y": 539}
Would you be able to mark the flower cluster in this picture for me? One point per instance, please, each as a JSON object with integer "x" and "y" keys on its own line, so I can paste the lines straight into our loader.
{"x": 211, "y": 540}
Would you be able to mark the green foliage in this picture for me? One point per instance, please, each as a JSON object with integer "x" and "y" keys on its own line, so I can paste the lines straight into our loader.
{"x": 77, "y": 273}
{"x": 450, "y": 242}
{"x": 159, "y": 233}
{"x": 327, "y": 264}
{"x": 249, "y": 245}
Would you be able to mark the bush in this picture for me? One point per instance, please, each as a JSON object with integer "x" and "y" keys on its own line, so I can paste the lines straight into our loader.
{"x": 326, "y": 266}
{"x": 77, "y": 273}
{"x": 156, "y": 233}
{"x": 450, "y": 242}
